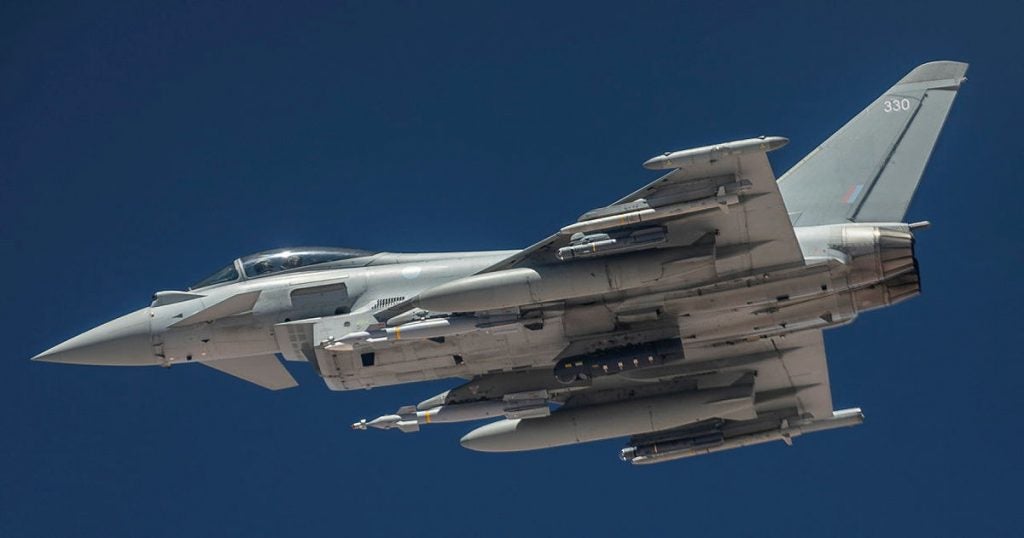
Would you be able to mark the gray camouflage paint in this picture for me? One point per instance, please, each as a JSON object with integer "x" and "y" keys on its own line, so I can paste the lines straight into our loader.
{"x": 745, "y": 292}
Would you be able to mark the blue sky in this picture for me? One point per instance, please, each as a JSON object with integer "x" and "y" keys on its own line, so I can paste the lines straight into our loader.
{"x": 143, "y": 146}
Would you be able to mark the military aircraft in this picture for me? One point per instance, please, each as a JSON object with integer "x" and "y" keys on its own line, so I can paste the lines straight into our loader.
{"x": 686, "y": 315}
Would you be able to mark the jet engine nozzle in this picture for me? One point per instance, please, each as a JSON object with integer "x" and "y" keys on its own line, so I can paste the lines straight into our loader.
{"x": 885, "y": 269}
{"x": 872, "y": 253}
{"x": 893, "y": 290}
{"x": 895, "y": 252}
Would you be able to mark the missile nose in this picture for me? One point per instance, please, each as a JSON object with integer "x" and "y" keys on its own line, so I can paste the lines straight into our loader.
{"x": 125, "y": 341}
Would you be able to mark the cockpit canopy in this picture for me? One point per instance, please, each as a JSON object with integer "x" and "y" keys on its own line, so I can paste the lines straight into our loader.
{"x": 278, "y": 260}
{"x": 285, "y": 259}
{"x": 227, "y": 274}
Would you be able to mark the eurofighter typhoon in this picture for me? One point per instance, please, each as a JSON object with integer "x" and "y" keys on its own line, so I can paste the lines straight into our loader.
{"x": 686, "y": 315}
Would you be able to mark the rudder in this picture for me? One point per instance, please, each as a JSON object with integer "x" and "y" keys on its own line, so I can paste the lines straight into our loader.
{"x": 869, "y": 169}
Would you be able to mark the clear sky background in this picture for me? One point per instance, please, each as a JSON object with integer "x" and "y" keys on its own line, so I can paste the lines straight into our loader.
{"x": 142, "y": 147}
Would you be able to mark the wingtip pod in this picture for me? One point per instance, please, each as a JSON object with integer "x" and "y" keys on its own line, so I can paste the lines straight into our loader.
{"x": 676, "y": 159}
{"x": 949, "y": 73}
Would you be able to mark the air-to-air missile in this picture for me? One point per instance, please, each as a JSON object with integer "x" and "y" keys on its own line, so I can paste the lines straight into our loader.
{"x": 435, "y": 410}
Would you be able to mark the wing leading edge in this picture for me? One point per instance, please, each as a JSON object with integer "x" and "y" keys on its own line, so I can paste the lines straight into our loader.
{"x": 727, "y": 189}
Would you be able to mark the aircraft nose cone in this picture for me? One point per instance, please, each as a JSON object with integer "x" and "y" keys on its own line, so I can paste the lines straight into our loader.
{"x": 125, "y": 341}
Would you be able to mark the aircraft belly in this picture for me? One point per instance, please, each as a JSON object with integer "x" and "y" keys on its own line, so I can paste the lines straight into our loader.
{"x": 494, "y": 350}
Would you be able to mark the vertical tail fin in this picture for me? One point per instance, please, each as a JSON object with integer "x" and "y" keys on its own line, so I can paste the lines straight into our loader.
{"x": 868, "y": 170}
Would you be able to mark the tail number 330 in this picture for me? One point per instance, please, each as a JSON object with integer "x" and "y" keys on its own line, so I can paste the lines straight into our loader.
{"x": 896, "y": 105}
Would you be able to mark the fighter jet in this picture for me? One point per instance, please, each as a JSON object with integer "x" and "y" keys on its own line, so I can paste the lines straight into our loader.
{"x": 686, "y": 316}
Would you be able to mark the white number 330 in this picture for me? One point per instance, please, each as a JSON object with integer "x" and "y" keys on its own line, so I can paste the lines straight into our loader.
{"x": 896, "y": 105}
